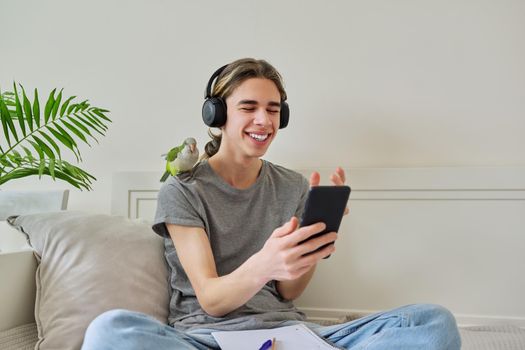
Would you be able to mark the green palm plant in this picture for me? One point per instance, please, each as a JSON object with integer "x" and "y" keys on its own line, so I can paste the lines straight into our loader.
{"x": 34, "y": 136}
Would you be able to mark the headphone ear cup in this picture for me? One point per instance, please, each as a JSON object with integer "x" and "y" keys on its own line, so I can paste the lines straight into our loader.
{"x": 214, "y": 112}
{"x": 285, "y": 115}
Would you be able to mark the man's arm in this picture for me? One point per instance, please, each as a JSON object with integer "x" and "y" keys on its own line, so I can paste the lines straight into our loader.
{"x": 217, "y": 295}
{"x": 291, "y": 290}
{"x": 280, "y": 259}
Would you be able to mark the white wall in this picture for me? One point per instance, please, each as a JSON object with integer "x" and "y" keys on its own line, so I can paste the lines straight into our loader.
{"x": 370, "y": 83}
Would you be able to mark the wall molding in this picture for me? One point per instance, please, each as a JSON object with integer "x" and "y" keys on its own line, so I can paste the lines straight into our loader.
{"x": 328, "y": 314}
{"x": 136, "y": 197}
{"x": 368, "y": 184}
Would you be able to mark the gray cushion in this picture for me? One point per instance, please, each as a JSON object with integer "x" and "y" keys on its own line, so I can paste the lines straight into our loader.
{"x": 89, "y": 264}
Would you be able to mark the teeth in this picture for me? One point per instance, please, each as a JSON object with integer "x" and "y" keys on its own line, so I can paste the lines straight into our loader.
{"x": 259, "y": 137}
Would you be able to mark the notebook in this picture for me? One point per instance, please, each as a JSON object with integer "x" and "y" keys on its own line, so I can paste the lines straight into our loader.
{"x": 296, "y": 337}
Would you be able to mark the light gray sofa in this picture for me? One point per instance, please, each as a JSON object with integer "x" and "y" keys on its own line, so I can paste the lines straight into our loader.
{"x": 17, "y": 290}
{"x": 81, "y": 265}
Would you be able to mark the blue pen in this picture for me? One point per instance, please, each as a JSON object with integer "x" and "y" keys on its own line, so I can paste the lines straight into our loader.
{"x": 266, "y": 345}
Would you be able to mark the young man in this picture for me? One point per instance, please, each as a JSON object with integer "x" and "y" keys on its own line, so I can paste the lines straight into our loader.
{"x": 233, "y": 241}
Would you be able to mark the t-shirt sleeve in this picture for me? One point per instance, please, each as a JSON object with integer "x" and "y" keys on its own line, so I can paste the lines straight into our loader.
{"x": 176, "y": 204}
{"x": 302, "y": 200}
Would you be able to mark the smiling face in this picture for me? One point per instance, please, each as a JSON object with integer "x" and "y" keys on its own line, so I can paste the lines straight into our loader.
{"x": 253, "y": 119}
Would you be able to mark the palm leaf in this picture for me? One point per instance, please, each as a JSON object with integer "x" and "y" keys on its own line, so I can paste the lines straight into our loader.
{"x": 65, "y": 105}
{"x": 64, "y": 140}
{"x": 52, "y": 143}
{"x": 75, "y": 131}
{"x": 94, "y": 120}
{"x": 49, "y": 105}
{"x": 36, "y": 109}
{"x": 64, "y": 125}
{"x": 27, "y": 109}
{"x": 74, "y": 180}
{"x": 88, "y": 123}
{"x": 56, "y": 104}
{"x": 28, "y": 165}
{"x": 19, "y": 114}
{"x": 81, "y": 126}
{"x": 7, "y": 123}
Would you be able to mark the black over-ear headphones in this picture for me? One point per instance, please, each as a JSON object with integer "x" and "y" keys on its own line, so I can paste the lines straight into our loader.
{"x": 214, "y": 108}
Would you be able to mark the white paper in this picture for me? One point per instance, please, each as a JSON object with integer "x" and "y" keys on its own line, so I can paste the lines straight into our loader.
{"x": 296, "y": 337}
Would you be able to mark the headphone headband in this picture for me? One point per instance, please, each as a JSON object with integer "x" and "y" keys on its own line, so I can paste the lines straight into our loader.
{"x": 207, "y": 92}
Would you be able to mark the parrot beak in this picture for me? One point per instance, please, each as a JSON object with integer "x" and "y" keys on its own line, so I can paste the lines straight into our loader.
{"x": 192, "y": 148}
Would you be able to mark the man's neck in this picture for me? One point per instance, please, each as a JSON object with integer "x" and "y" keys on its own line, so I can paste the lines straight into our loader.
{"x": 238, "y": 174}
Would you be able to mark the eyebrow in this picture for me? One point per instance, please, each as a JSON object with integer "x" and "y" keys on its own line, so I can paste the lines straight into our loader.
{"x": 253, "y": 102}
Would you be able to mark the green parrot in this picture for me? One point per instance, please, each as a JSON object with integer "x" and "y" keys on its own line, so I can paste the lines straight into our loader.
{"x": 181, "y": 158}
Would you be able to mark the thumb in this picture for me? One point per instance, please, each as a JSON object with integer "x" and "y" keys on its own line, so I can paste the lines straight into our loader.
{"x": 315, "y": 178}
{"x": 287, "y": 228}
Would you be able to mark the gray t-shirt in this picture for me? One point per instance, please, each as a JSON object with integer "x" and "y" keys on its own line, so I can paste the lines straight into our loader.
{"x": 237, "y": 223}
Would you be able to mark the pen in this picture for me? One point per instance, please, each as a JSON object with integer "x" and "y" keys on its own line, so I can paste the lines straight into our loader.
{"x": 266, "y": 345}
{"x": 274, "y": 346}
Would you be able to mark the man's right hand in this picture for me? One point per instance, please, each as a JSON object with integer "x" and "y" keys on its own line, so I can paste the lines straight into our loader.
{"x": 288, "y": 254}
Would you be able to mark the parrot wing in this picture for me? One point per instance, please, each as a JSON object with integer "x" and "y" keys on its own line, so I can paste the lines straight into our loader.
{"x": 170, "y": 157}
{"x": 172, "y": 168}
{"x": 172, "y": 154}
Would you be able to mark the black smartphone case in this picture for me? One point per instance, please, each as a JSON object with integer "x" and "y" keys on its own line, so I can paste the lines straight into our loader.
{"x": 325, "y": 204}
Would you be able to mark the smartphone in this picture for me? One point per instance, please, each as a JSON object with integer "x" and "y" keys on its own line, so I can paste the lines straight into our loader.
{"x": 325, "y": 204}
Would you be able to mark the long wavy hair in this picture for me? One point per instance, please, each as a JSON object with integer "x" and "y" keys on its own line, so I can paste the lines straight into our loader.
{"x": 233, "y": 76}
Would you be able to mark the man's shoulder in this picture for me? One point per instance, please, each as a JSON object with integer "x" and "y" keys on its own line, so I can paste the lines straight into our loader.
{"x": 185, "y": 181}
{"x": 286, "y": 174}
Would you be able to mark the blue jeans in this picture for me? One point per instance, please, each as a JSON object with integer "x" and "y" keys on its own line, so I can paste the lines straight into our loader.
{"x": 419, "y": 326}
